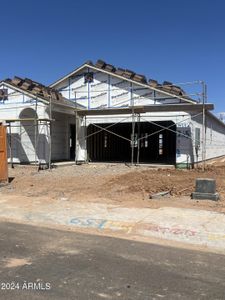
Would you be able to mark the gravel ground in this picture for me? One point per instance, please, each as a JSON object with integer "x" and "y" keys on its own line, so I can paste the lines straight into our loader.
{"x": 116, "y": 183}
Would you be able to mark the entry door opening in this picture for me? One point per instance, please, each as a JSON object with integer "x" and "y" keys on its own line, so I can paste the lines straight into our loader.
{"x": 72, "y": 141}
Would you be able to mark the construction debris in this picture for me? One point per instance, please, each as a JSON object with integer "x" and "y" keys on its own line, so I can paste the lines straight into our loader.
{"x": 160, "y": 195}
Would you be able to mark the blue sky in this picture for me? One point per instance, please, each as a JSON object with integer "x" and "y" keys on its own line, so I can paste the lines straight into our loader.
{"x": 172, "y": 40}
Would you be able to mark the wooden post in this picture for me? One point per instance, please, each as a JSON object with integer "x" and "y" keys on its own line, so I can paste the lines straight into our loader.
{"x": 3, "y": 154}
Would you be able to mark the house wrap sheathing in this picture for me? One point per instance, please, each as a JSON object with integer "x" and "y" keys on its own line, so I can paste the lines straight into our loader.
{"x": 99, "y": 113}
{"x": 29, "y": 108}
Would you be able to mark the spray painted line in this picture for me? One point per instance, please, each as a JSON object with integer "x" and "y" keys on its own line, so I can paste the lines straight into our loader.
{"x": 103, "y": 224}
{"x": 178, "y": 232}
{"x": 174, "y": 232}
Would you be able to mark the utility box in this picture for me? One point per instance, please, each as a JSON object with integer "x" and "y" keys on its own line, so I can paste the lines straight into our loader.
{"x": 205, "y": 188}
{"x": 3, "y": 154}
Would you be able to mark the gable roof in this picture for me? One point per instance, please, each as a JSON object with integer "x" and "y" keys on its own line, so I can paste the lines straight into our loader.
{"x": 38, "y": 91}
{"x": 166, "y": 88}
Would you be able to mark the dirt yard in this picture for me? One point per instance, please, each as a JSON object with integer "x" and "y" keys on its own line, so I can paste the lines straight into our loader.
{"x": 117, "y": 184}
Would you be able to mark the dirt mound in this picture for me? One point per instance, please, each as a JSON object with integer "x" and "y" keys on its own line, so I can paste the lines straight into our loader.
{"x": 116, "y": 184}
{"x": 179, "y": 182}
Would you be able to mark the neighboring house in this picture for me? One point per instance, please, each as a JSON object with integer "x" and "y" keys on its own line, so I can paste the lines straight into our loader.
{"x": 108, "y": 114}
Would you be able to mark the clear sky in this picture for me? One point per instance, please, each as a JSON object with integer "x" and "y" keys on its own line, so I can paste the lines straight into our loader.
{"x": 172, "y": 40}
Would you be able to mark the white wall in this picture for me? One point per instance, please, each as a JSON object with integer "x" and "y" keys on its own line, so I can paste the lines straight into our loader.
{"x": 186, "y": 125}
{"x": 108, "y": 91}
{"x": 104, "y": 91}
{"x": 190, "y": 146}
{"x": 22, "y": 139}
{"x": 215, "y": 136}
{"x": 20, "y": 106}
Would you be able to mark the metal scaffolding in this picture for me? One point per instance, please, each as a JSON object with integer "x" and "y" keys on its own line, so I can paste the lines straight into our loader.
{"x": 35, "y": 123}
{"x": 135, "y": 113}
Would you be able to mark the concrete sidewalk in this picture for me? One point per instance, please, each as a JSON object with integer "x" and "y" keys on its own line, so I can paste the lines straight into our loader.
{"x": 197, "y": 227}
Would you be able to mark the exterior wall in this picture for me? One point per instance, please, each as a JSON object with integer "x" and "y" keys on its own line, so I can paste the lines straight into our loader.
{"x": 22, "y": 135}
{"x": 184, "y": 149}
{"x": 215, "y": 137}
{"x": 187, "y": 140}
{"x": 22, "y": 141}
{"x": 108, "y": 91}
{"x": 81, "y": 145}
{"x": 104, "y": 91}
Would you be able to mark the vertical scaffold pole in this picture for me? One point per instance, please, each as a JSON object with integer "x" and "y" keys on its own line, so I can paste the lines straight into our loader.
{"x": 35, "y": 134}
{"x": 76, "y": 127}
{"x": 50, "y": 133}
{"x": 138, "y": 139}
{"x": 133, "y": 127}
{"x": 203, "y": 125}
{"x": 85, "y": 141}
{"x": 132, "y": 137}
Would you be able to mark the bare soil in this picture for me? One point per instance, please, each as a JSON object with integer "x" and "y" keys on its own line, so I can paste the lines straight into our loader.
{"x": 117, "y": 184}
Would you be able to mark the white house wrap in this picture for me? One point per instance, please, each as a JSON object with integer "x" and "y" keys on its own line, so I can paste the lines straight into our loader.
{"x": 102, "y": 113}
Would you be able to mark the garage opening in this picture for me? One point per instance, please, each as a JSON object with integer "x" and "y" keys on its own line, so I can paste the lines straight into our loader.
{"x": 152, "y": 144}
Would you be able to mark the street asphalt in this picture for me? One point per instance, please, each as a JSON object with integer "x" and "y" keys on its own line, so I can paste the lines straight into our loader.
{"x": 41, "y": 263}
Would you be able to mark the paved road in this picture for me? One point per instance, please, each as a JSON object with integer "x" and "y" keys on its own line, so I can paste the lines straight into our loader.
{"x": 40, "y": 263}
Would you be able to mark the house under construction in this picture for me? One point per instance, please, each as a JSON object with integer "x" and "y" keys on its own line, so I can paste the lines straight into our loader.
{"x": 100, "y": 113}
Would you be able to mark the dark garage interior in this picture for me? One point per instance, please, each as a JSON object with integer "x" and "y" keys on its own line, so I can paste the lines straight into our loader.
{"x": 156, "y": 145}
